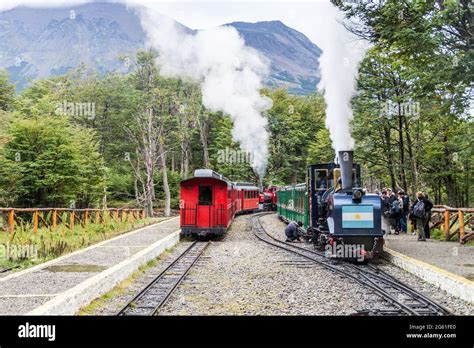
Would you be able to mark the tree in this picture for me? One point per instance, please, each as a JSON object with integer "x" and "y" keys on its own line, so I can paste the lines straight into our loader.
{"x": 7, "y": 92}
{"x": 150, "y": 130}
{"x": 47, "y": 162}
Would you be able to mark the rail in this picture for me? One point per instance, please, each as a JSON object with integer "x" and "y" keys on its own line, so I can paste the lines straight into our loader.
{"x": 51, "y": 217}
{"x": 404, "y": 299}
{"x": 454, "y": 222}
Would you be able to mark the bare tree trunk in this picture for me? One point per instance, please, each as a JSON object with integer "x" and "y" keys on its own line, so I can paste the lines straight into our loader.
{"x": 184, "y": 159}
{"x": 412, "y": 159}
{"x": 401, "y": 149}
{"x": 166, "y": 186}
{"x": 388, "y": 152}
{"x": 135, "y": 187}
{"x": 186, "y": 164}
{"x": 448, "y": 179}
{"x": 204, "y": 134}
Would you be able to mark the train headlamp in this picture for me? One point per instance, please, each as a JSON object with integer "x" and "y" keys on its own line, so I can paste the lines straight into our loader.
{"x": 357, "y": 194}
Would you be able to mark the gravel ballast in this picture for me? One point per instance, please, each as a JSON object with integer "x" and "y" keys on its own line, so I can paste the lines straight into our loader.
{"x": 240, "y": 275}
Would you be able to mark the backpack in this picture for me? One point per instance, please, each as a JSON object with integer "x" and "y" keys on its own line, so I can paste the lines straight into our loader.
{"x": 396, "y": 208}
{"x": 419, "y": 209}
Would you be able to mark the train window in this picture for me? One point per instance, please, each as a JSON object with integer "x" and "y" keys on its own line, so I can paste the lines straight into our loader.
{"x": 321, "y": 176}
{"x": 337, "y": 176}
{"x": 205, "y": 195}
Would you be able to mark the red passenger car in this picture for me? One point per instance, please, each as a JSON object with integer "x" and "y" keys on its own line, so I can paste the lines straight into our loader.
{"x": 249, "y": 196}
{"x": 208, "y": 204}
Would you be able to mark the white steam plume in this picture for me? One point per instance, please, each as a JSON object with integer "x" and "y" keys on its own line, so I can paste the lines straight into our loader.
{"x": 339, "y": 65}
{"x": 229, "y": 72}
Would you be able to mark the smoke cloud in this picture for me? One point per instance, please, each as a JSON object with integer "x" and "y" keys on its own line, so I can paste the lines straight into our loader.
{"x": 230, "y": 74}
{"x": 339, "y": 63}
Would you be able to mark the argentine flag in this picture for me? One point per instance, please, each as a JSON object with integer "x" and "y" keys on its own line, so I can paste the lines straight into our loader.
{"x": 357, "y": 216}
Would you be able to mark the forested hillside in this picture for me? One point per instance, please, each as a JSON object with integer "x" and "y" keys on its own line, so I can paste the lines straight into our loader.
{"x": 90, "y": 140}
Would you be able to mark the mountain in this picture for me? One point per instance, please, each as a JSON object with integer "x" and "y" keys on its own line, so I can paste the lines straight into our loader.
{"x": 294, "y": 58}
{"x": 41, "y": 42}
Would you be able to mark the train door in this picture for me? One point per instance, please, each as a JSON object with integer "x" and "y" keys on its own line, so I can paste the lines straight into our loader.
{"x": 205, "y": 205}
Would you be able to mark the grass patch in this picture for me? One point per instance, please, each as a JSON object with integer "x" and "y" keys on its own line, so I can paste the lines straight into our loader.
{"x": 23, "y": 248}
{"x": 437, "y": 234}
{"x": 122, "y": 287}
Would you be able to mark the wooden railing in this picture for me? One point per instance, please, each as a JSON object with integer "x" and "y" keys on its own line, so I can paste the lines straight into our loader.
{"x": 454, "y": 222}
{"x": 51, "y": 217}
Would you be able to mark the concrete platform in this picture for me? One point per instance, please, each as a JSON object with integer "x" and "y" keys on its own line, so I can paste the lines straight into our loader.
{"x": 64, "y": 285}
{"x": 448, "y": 265}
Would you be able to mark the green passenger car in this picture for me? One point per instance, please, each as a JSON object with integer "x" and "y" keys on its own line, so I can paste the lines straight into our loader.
{"x": 292, "y": 203}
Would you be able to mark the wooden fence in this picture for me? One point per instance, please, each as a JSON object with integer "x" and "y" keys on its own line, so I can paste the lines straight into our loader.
{"x": 51, "y": 217}
{"x": 454, "y": 222}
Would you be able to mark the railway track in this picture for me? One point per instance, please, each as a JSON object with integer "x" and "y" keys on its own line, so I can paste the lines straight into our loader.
{"x": 149, "y": 300}
{"x": 403, "y": 299}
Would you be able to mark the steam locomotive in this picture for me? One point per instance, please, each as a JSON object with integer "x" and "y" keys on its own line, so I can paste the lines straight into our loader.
{"x": 267, "y": 199}
{"x": 338, "y": 216}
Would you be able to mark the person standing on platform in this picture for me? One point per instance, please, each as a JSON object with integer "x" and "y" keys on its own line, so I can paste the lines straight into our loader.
{"x": 419, "y": 211}
{"x": 406, "y": 208}
{"x": 385, "y": 211}
{"x": 428, "y": 216}
{"x": 392, "y": 219}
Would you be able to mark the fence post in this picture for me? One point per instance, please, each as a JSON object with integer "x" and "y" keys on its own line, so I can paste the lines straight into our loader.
{"x": 131, "y": 217}
{"x": 97, "y": 217}
{"x": 11, "y": 220}
{"x": 446, "y": 224}
{"x": 124, "y": 216}
{"x": 461, "y": 225}
{"x": 54, "y": 219}
{"x": 35, "y": 221}
{"x": 116, "y": 216}
{"x": 143, "y": 214}
{"x": 71, "y": 225}
{"x": 86, "y": 217}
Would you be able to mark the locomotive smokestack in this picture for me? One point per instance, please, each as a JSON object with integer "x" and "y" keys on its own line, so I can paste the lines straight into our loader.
{"x": 345, "y": 163}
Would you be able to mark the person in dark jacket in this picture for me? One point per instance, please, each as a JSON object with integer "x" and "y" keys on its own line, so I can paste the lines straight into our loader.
{"x": 406, "y": 209}
{"x": 419, "y": 213}
{"x": 428, "y": 216}
{"x": 291, "y": 231}
{"x": 395, "y": 213}
{"x": 385, "y": 211}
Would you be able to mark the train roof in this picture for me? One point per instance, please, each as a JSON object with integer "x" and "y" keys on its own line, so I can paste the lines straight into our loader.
{"x": 209, "y": 173}
{"x": 246, "y": 186}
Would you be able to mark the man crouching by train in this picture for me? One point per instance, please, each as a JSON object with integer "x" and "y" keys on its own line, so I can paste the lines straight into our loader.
{"x": 291, "y": 231}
